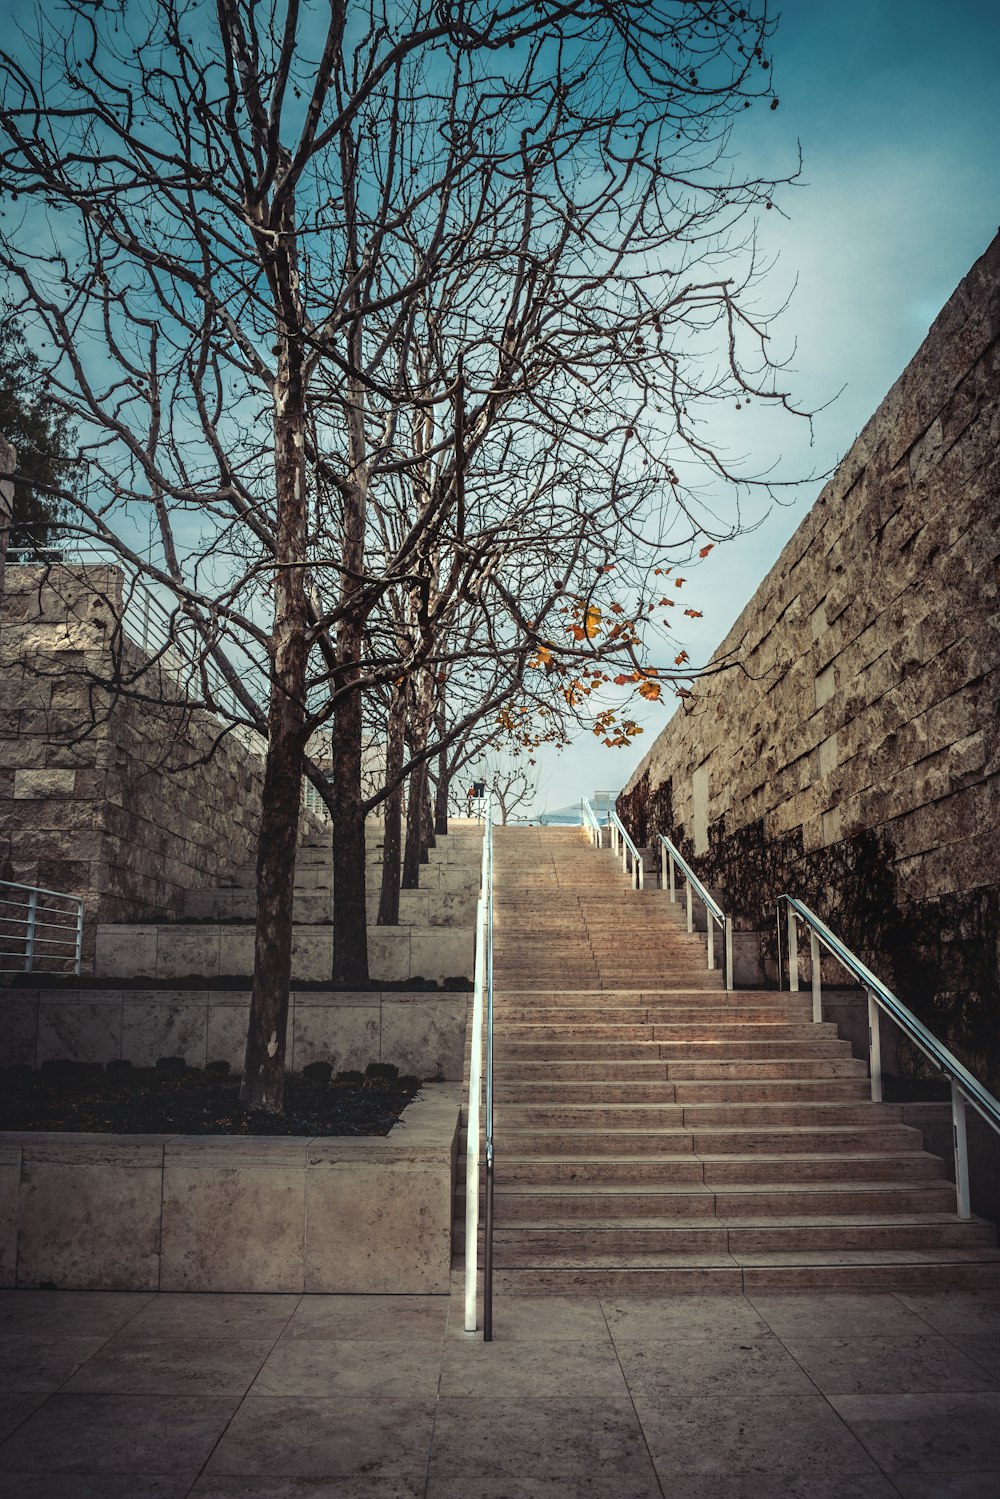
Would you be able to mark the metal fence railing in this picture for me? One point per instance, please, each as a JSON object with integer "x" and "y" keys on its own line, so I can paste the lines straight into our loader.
{"x": 672, "y": 863}
{"x": 964, "y": 1087}
{"x": 41, "y": 931}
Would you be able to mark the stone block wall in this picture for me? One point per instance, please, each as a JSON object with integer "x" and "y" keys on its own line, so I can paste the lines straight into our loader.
{"x": 851, "y": 754}
{"x": 95, "y": 798}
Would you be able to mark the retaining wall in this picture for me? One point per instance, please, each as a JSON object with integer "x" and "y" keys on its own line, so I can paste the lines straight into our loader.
{"x": 93, "y": 796}
{"x": 851, "y": 754}
{"x": 211, "y": 1213}
{"x": 420, "y": 1031}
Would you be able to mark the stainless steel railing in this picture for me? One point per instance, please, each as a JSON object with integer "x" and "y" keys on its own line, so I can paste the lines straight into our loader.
{"x": 671, "y": 860}
{"x": 964, "y": 1087}
{"x": 165, "y": 632}
{"x": 622, "y": 844}
{"x": 589, "y": 820}
{"x": 482, "y": 1001}
{"x": 41, "y": 931}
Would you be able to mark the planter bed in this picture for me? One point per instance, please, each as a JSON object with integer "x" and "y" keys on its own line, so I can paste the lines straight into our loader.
{"x": 176, "y": 1212}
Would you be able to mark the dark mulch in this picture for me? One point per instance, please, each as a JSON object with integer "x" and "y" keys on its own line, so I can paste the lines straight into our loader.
{"x": 171, "y": 1098}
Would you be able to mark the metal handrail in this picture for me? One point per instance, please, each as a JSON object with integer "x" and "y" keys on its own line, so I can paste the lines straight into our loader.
{"x": 35, "y": 933}
{"x": 168, "y": 636}
{"x": 588, "y": 819}
{"x": 482, "y": 997}
{"x": 671, "y": 859}
{"x": 964, "y": 1087}
{"x": 622, "y": 843}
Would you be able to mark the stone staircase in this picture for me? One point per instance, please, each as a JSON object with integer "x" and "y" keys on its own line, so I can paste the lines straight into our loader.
{"x": 656, "y": 1133}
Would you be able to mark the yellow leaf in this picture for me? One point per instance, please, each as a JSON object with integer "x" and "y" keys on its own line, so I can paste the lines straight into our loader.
{"x": 650, "y": 691}
{"x": 591, "y": 621}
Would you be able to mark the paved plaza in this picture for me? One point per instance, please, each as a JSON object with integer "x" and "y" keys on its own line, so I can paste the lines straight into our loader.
{"x": 109, "y": 1395}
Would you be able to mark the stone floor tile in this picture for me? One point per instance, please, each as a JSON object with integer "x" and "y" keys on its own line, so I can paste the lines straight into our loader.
{"x": 723, "y": 1367}
{"x": 528, "y": 1370}
{"x": 214, "y": 1315}
{"x": 70, "y": 1314}
{"x": 523, "y": 1449}
{"x": 356, "y": 1486}
{"x": 327, "y": 1367}
{"x": 836, "y": 1314}
{"x": 28, "y": 1363}
{"x": 93, "y": 1486}
{"x": 984, "y": 1348}
{"x": 878, "y": 1365}
{"x": 682, "y": 1316}
{"x": 537, "y": 1319}
{"x": 328, "y": 1438}
{"x": 117, "y": 1434}
{"x": 369, "y": 1318}
{"x": 15, "y": 1409}
{"x": 172, "y": 1366}
{"x": 964, "y": 1313}
{"x": 780, "y": 1486}
{"x": 928, "y": 1433}
{"x": 948, "y": 1485}
{"x": 788, "y": 1435}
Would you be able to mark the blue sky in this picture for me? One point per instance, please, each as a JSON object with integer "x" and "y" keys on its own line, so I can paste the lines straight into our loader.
{"x": 896, "y": 104}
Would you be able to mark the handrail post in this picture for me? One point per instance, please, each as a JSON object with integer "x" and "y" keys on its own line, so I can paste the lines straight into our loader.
{"x": 673, "y": 880}
{"x": 728, "y": 939}
{"x": 962, "y": 1195}
{"x": 664, "y": 860}
{"x": 690, "y": 908}
{"x": 710, "y": 935}
{"x": 817, "y": 977}
{"x": 874, "y": 1048}
{"x": 79, "y": 937}
{"x": 472, "y": 1143}
{"x": 29, "y": 940}
{"x": 793, "y": 953}
{"x": 640, "y": 872}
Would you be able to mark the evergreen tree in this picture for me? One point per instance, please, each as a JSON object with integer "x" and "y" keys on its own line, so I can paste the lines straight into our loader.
{"x": 43, "y": 437}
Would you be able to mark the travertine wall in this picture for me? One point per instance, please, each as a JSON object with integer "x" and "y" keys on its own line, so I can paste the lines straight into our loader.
{"x": 91, "y": 798}
{"x": 853, "y": 754}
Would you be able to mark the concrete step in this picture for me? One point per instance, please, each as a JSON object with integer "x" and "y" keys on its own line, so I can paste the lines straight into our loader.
{"x": 511, "y": 1052}
{"x": 928, "y": 1270}
{"x": 513, "y": 1118}
{"x": 594, "y": 1240}
{"x": 677, "y": 1200}
{"x": 545, "y": 1091}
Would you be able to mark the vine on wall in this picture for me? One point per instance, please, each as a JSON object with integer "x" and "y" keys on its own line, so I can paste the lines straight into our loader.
{"x": 941, "y": 956}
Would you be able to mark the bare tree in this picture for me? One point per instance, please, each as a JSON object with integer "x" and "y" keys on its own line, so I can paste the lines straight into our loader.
{"x": 473, "y": 270}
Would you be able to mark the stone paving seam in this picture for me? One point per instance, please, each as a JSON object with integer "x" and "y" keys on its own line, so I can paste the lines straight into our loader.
{"x": 638, "y": 1418}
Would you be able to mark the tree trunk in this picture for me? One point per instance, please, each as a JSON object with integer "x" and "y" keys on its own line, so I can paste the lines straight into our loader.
{"x": 414, "y": 820}
{"x": 427, "y": 840}
{"x": 441, "y": 790}
{"x": 264, "y": 1059}
{"x": 350, "y": 920}
{"x": 388, "y": 905}
{"x": 441, "y": 794}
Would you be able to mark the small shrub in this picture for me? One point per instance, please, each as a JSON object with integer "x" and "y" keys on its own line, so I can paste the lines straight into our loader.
{"x": 171, "y": 1065}
{"x": 119, "y": 1066}
{"x": 349, "y": 1079}
{"x": 409, "y": 1081}
{"x": 317, "y": 1072}
{"x": 71, "y": 1070}
{"x": 381, "y": 1072}
{"x": 220, "y": 1068}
